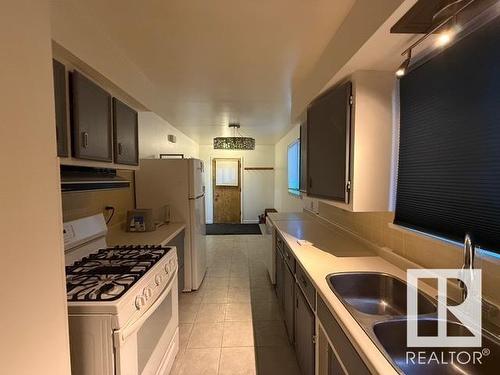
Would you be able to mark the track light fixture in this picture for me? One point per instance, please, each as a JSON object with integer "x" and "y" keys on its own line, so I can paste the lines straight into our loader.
{"x": 403, "y": 68}
{"x": 443, "y": 38}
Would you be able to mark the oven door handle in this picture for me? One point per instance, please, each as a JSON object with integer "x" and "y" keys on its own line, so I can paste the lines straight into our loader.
{"x": 126, "y": 331}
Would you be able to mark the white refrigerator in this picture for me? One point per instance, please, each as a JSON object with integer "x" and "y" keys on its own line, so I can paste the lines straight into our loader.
{"x": 178, "y": 183}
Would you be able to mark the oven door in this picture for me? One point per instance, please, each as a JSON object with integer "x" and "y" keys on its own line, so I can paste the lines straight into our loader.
{"x": 148, "y": 345}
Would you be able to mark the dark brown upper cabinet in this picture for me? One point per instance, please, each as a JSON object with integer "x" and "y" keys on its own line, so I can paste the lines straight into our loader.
{"x": 328, "y": 144}
{"x": 91, "y": 120}
{"x": 350, "y": 135}
{"x": 59, "y": 71}
{"x": 125, "y": 134}
{"x": 303, "y": 157}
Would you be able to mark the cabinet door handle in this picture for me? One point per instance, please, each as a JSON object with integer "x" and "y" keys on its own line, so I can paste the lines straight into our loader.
{"x": 120, "y": 148}
{"x": 310, "y": 182}
{"x": 85, "y": 139}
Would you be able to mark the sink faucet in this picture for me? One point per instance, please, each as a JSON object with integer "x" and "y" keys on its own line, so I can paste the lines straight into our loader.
{"x": 469, "y": 252}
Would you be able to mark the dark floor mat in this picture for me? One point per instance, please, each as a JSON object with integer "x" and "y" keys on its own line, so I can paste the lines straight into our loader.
{"x": 226, "y": 229}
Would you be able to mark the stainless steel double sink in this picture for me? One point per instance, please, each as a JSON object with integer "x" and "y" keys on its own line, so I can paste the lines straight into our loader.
{"x": 377, "y": 301}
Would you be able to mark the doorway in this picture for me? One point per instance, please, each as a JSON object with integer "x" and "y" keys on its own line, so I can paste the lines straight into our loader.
{"x": 226, "y": 182}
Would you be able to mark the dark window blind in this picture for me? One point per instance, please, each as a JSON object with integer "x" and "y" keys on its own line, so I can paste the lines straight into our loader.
{"x": 449, "y": 147}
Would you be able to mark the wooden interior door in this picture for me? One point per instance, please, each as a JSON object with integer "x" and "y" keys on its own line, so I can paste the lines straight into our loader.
{"x": 226, "y": 199}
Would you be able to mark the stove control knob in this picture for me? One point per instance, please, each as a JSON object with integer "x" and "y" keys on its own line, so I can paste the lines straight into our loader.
{"x": 139, "y": 302}
{"x": 147, "y": 292}
{"x": 167, "y": 269}
{"x": 172, "y": 263}
{"x": 158, "y": 279}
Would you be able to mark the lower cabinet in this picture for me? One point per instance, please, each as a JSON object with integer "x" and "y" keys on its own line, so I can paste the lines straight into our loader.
{"x": 305, "y": 327}
{"x": 334, "y": 366}
{"x": 343, "y": 359}
{"x": 280, "y": 263}
{"x": 289, "y": 302}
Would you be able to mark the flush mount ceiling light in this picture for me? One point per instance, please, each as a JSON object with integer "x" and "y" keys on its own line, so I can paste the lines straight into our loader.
{"x": 235, "y": 142}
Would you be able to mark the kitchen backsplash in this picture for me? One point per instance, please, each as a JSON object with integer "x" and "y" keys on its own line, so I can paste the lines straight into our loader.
{"x": 423, "y": 250}
{"x": 80, "y": 204}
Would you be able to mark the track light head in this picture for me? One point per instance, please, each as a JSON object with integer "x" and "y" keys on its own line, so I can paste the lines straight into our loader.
{"x": 403, "y": 68}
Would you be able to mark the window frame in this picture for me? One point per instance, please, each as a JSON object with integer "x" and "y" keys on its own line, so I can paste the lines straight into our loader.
{"x": 292, "y": 190}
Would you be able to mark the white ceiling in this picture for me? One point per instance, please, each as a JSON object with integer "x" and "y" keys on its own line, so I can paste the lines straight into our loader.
{"x": 222, "y": 61}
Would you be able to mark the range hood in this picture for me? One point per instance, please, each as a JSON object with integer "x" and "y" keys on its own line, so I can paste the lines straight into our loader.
{"x": 74, "y": 178}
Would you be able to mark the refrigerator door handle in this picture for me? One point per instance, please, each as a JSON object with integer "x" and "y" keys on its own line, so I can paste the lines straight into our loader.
{"x": 199, "y": 196}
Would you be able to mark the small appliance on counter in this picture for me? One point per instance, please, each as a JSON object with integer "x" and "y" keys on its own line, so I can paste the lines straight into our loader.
{"x": 140, "y": 220}
{"x": 147, "y": 219}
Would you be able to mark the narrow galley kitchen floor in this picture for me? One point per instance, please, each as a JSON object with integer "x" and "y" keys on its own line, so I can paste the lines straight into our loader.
{"x": 233, "y": 325}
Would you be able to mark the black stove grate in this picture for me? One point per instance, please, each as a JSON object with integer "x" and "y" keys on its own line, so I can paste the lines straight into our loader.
{"x": 107, "y": 274}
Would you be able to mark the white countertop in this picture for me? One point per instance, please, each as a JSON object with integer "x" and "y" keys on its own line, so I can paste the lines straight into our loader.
{"x": 161, "y": 236}
{"x": 334, "y": 250}
{"x": 283, "y": 216}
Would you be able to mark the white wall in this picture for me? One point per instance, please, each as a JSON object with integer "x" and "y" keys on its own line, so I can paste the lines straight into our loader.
{"x": 34, "y": 331}
{"x": 258, "y": 186}
{"x": 284, "y": 201}
{"x": 153, "y": 132}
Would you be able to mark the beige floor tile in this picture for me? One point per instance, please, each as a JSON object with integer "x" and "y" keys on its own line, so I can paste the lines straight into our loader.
{"x": 239, "y": 282}
{"x": 238, "y": 295}
{"x": 215, "y": 295}
{"x": 236, "y": 309}
{"x": 219, "y": 271}
{"x": 198, "y": 362}
{"x": 184, "y": 333}
{"x": 177, "y": 363}
{"x": 266, "y": 311}
{"x": 190, "y": 298}
{"x": 279, "y": 360}
{"x": 239, "y": 312}
{"x": 265, "y": 294}
{"x": 238, "y": 334}
{"x": 239, "y": 273}
{"x": 187, "y": 312}
{"x": 237, "y": 361}
{"x": 239, "y": 261}
{"x": 260, "y": 282}
{"x": 270, "y": 333}
{"x": 211, "y": 313}
{"x": 258, "y": 273}
{"x": 216, "y": 282}
{"x": 219, "y": 260}
{"x": 206, "y": 335}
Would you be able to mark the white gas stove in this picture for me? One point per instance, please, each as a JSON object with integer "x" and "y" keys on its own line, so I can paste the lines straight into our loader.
{"x": 122, "y": 303}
